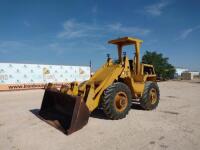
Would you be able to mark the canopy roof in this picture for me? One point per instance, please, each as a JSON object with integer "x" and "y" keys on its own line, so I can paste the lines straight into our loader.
{"x": 125, "y": 41}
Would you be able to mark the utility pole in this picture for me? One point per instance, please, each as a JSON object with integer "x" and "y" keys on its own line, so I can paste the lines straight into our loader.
{"x": 90, "y": 67}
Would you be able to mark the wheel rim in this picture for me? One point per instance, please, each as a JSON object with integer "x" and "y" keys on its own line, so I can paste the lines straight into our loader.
{"x": 121, "y": 101}
{"x": 153, "y": 96}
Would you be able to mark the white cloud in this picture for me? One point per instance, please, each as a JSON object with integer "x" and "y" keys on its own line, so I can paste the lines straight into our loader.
{"x": 9, "y": 46}
{"x": 74, "y": 29}
{"x": 185, "y": 33}
{"x": 118, "y": 27}
{"x": 26, "y": 23}
{"x": 5, "y": 44}
{"x": 157, "y": 8}
{"x": 95, "y": 9}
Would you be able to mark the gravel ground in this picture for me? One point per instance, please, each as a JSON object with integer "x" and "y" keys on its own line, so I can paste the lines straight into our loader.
{"x": 175, "y": 124}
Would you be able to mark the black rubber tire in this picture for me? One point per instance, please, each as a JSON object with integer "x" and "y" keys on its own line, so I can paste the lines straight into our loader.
{"x": 108, "y": 101}
{"x": 145, "y": 101}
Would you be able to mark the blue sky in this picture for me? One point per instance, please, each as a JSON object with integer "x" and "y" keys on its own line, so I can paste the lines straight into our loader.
{"x": 73, "y": 32}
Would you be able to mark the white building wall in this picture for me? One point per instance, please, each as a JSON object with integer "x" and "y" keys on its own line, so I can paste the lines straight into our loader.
{"x": 179, "y": 71}
{"x": 11, "y": 73}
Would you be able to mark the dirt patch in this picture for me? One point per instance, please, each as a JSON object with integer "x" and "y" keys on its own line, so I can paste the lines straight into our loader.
{"x": 164, "y": 146}
{"x": 161, "y": 138}
{"x": 152, "y": 142}
{"x": 176, "y": 116}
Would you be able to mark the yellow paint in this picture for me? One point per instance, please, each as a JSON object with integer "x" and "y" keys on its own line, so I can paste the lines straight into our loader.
{"x": 131, "y": 72}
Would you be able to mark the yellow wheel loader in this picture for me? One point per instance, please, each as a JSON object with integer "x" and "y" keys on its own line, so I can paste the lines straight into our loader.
{"x": 113, "y": 87}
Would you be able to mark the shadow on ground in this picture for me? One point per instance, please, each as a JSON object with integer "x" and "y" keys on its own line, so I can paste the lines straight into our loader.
{"x": 137, "y": 107}
{"x": 99, "y": 114}
{"x": 35, "y": 112}
{"x": 51, "y": 122}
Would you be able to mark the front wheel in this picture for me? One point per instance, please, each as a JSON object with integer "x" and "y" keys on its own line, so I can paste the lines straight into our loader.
{"x": 116, "y": 101}
{"x": 151, "y": 96}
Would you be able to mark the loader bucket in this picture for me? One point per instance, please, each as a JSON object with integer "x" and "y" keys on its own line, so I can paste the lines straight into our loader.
{"x": 65, "y": 112}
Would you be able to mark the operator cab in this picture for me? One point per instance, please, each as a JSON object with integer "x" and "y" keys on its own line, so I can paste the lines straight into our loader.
{"x": 135, "y": 61}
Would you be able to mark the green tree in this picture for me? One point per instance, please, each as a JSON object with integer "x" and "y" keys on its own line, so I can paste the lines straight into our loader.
{"x": 162, "y": 67}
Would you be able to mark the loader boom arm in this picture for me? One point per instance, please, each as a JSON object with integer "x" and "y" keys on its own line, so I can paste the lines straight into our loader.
{"x": 103, "y": 78}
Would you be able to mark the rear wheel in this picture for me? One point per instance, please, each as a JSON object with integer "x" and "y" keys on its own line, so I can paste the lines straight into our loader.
{"x": 116, "y": 101}
{"x": 151, "y": 96}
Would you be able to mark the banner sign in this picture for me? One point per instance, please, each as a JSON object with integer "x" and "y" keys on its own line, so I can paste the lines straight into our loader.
{"x": 26, "y": 76}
